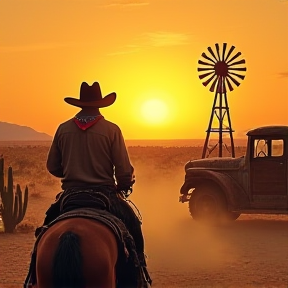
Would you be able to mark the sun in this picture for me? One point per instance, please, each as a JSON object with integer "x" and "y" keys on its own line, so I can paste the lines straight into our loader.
{"x": 154, "y": 111}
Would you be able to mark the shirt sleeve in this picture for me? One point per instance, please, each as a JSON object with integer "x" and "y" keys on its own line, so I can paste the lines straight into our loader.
{"x": 54, "y": 158}
{"x": 124, "y": 171}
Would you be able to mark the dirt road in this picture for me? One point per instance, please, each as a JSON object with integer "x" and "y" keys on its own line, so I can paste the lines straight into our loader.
{"x": 251, "y": 252}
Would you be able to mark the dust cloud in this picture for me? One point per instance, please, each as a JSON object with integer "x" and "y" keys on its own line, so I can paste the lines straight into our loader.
{"x": 173, "y": 240}
{"x": 249, "y": 252}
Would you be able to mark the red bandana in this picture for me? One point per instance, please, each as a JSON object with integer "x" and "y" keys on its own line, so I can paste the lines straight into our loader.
{"x": 84, "y": 123}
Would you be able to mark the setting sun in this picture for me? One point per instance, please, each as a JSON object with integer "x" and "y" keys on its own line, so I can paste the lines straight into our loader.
{"x": 154, "y": 111}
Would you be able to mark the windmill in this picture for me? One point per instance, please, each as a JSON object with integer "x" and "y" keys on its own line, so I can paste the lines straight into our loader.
{"x": 221, "y": 72}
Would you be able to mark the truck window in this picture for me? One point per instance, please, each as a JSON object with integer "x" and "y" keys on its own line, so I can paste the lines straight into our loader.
{"x": 268, "y": 148}
{"x": 277, "y": 148}
{"x": 260, "y": 148}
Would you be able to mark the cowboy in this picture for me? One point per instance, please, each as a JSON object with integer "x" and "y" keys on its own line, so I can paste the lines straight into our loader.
{"x": 89, "y": 152}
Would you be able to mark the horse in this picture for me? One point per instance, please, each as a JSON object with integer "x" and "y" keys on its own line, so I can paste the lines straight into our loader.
{"x": 70, "y": 255}
{"x": 83, "y": 252}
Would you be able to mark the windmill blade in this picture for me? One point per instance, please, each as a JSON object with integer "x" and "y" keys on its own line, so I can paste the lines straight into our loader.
{"x": 233, "y": 80}
{"x": 229, "y": 52}
{"x": 205, "y": 75}
{"x": 208, "y": 58}
{"x": 238, "y": 75}
{"x": 234, "y": 57}
{"x": 205, "y": 83}
{"x": 217, "y": 50}
{"x": 204, "y": 63}
{"x": 238, "y": 69}
{"x": 205, "y": 69}
{"x": 224, "y": 51}
{"x": 237, "y": 63}
{"x": 212, "y": 53}
{"x": 212, "y": 88}
{"x": 229, "y": 84}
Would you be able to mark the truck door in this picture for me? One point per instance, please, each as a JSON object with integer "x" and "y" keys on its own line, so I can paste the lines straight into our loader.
{"x": 268, "y": 174}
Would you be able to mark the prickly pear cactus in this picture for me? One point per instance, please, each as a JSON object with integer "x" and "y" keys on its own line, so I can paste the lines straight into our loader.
{"x": 13, "y": 204}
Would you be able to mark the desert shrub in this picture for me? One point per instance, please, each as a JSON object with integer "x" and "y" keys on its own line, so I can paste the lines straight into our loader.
{"x": 167, "y": 158}
{"x": 35, "y": 194}
{"x": 25, "y": 227}
{"x": 29, "y": 162}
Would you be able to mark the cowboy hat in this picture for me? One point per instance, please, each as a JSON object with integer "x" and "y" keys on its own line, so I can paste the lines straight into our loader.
{"x": 91, "y": 96}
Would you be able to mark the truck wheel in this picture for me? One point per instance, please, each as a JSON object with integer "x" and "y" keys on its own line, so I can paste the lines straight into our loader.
{"x": 207, "y": 204}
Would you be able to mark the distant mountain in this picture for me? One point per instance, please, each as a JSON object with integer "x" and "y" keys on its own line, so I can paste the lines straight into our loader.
{"x": 14, "y": 132}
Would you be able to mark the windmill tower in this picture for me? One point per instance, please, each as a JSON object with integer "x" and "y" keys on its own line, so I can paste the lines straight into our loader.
{"x": 221, "y": 72}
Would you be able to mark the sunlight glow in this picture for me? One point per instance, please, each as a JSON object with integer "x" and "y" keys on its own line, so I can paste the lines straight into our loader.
{"x": 154, "y": 111}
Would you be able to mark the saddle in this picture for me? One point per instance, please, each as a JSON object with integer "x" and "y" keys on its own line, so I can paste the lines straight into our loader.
{"x": 125, "y": 241}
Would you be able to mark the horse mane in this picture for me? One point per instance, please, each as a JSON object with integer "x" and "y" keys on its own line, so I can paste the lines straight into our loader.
{"x": 68, "y": 262}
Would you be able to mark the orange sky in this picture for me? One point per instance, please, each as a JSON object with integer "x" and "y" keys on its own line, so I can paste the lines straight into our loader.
{"x": 143, "y": 50}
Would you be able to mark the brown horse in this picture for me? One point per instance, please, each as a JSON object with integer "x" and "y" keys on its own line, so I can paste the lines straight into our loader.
{"x": 80, "y": 253}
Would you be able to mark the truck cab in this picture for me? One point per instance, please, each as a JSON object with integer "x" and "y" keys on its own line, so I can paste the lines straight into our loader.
{"x": 222, "y": 188}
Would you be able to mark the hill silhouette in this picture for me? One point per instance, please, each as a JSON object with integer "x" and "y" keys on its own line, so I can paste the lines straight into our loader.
{"x": 14, "y": 132}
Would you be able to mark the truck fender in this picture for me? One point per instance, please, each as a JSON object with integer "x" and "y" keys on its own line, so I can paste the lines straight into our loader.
{"x": 235, "y": 194}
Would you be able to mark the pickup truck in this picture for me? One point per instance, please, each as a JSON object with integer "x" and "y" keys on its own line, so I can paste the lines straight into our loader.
{"x": 223, "y": 188}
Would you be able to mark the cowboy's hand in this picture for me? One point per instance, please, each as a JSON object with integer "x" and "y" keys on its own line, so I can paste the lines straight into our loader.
{"x": 125, "y": 190}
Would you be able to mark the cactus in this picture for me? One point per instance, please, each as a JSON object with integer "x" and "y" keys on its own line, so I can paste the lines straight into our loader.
{"x": 1, "y": 174}
{"x": 12, "y": 208}
{"x": 1, "y": 182}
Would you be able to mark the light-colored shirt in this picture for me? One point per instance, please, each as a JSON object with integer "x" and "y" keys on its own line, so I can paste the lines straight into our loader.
{"x": 92, "y": 157}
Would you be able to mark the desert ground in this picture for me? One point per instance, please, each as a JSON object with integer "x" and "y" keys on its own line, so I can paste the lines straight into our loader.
{"x": 250, "y": 252}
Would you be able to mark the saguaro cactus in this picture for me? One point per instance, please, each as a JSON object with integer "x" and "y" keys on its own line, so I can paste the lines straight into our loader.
{"x": 1, "y": 174}
{"x": 12, "y": 208}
